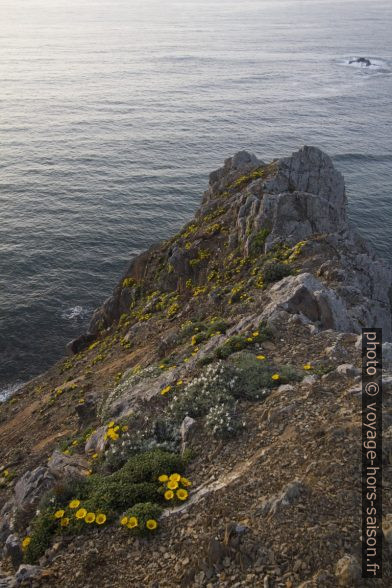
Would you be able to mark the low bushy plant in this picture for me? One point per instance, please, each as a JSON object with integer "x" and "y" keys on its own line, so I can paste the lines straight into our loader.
{"x": 213, "y": 386}
{"x": 223, "y": 421}
{"x": 254, "y": 379}
{"x": 256, "y": 244}
{"x": 240, "y": 342}
{"x": 273, "y": 272}
{"x": 140, "y": 514}
{"x": 42, "y": 532}
{"x": 99, "y": 498}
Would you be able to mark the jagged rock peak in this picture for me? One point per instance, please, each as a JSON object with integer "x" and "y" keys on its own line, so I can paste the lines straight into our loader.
{"x": 307, "y": 170}
{"x": 292, "y": 198}
{"x": 250, "y": 210}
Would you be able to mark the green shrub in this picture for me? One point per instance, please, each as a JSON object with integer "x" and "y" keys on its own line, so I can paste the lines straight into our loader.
{"x": 256, "y": 244}
{"x": 112, "y": 495}
{"x": 232, "y": 344}
{"x": 201, "y": 331}
{"x": 143, "y": 512}
{"x": 240, "y": 342}
{"x": 273, "y": 272}
{"x": 135, "y": 483}
{"x": 43, "y": 529}
{"x": 149, "y": 465}
{"x": 254, "y": 376}
{"x": 206, "y": 360}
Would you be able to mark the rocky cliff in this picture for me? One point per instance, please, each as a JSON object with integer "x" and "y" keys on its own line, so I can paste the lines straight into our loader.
{"x": 227, "y": 356}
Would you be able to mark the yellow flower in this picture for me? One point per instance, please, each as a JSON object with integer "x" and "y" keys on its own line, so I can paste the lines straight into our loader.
{"x": 116, "y": 428}
{"x": 169, "y": 494}
{"x": 307, "y": 366}
{"x": 90, "y": 517}
{"x": 100, "y": 519}
{"x": 172, "y": 485}
{"x": 95, "y": 456}
{"x": 132, "y": 523}
{"x": 6, "y": 473}
{"x": 124, "y": 521}
{"x": 249, "y": 339}
{"x": 111, "y": 434}
{"x": 275, "y": 377}
{"x": 111, "y": 424}
{"x": 81, "y": 513}
{"x": 64, "y": 522}
{"x": 124, "y": 428}
{"x": 182, "y": 494}
{"x": 163, "y": 478}
{"x": 151, "y": 524}
{"x": 67, "y": 452}
{"x": 162, "y": 366}
{"x": 165, "y": 390}
{"x": 193, "y": 340}
{"x": 74, "y": 504}
{"x": 59, "y": 514}
{"x": 260, "y": 356}
{"x": 185, "y": 482}
{"x": 175, "y": 477}
{"x": 26, "y": 542}
{"x": 255, "y": 334}
{"x": 180, "y": 382}
{"x": 75, "y": 442}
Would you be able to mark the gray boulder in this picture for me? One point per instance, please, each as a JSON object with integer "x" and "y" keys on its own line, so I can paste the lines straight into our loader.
{"x": 30, "y": 488}
{"x": 28, "y": 573}
{"x": 67, "y": 467}
{"x": 96, "y": 443}
{"x": 13, "y": 550}
{"x": 307, "y": 296}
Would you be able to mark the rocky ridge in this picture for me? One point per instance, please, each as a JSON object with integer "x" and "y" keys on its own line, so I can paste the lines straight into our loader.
{"x": 235, "y": 344}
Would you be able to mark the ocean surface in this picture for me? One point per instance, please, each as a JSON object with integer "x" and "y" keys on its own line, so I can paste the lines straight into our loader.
{"x": 112, "y": 114}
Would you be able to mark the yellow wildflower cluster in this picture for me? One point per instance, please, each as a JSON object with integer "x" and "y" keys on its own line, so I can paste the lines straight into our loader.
{"x": 296, "y": 250}
{"x": 174, "y": 487}
{"x": 165, "y": 390}
{"x": 128, "y": 282}
{"x": 75, "y": 510}
{"x": 113, "y": 431}
{"x": 26, "y": 542}
{"x": 199, "y": 290}
{"x": 133, "y": 523}
{"x": 93, "y": 345}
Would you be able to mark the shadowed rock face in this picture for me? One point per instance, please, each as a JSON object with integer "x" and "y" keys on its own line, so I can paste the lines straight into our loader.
{"x": 293, "y": 199}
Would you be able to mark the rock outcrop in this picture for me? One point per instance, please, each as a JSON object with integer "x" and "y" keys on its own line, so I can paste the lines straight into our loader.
{"x": 289, "y": 201}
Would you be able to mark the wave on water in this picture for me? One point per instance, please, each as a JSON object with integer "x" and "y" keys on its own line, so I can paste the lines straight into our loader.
{"x": 9, "y": 390}
{"x": 376, "y": 63}
{"x": 76, "y": 313}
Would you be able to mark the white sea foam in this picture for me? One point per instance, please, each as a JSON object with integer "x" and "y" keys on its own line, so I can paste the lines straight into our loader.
{"x": 8, "y": 391}
{"x": 75, "y": 313}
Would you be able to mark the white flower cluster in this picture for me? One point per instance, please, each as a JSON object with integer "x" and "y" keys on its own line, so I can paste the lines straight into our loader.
{"x": 214, "y": 386}
{"x": 222, "y": 421}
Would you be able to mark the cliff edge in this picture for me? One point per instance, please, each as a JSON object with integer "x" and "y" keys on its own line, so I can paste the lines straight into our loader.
{"x": 205, "y": 431}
